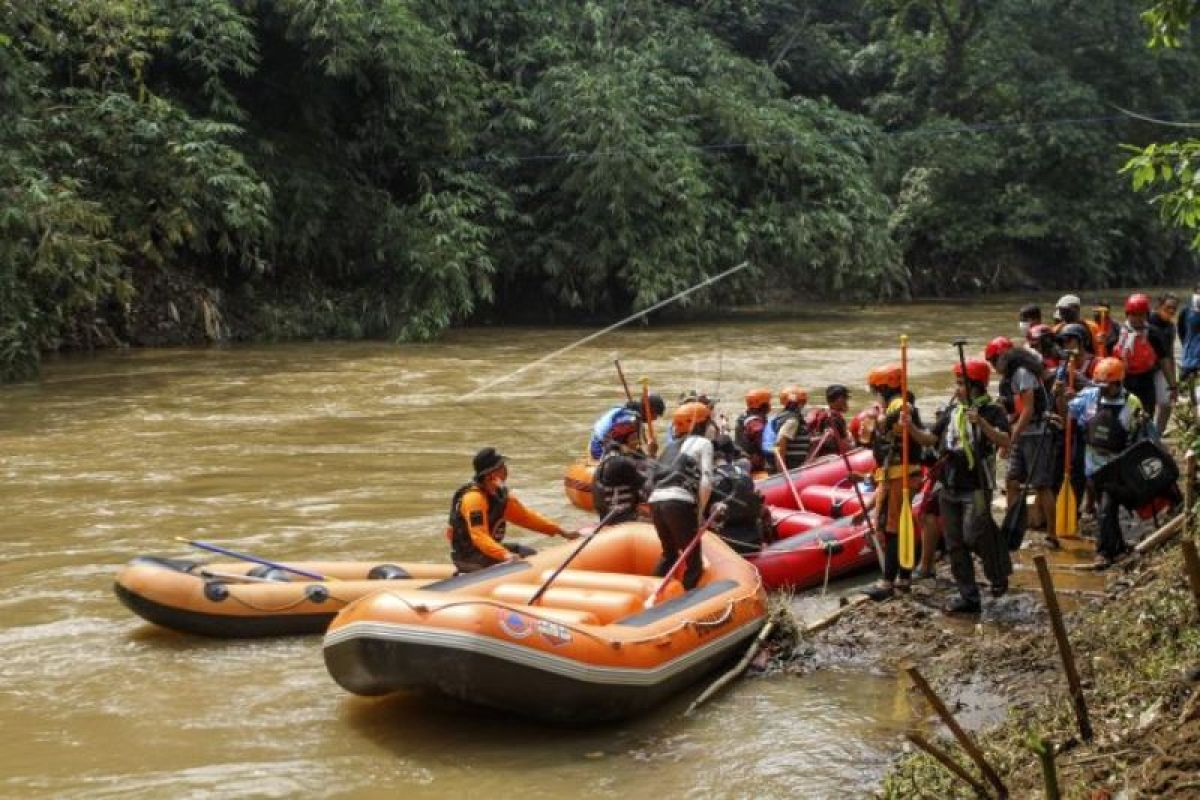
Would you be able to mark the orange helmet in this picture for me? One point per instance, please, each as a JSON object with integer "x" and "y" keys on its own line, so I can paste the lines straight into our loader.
{"x": 1110, "y": 370}
{"x": 758, "y": 397}
{"x": 793, "y": 394}
{"x": 688, "y": 416}
{"x": 887, "y": 375}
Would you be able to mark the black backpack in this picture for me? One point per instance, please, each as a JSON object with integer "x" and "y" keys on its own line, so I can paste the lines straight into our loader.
{"x": 1143, "y": 472}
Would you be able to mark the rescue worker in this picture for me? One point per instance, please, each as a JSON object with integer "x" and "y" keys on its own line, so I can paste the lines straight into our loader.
{"x": 619, "y": 483}
{"x": 479, "y": 512}
{"x": 682, "y": 486}
{"x": 1033, "y": 456}
{"x": 1042, "y": 341}
{"x": 1112, "y": 416}
{"x": 968, "y": 437}
{"x": 1188, "y": 328}
{"x": 712, "y": 429}
{"x": 1142, "y": 350}
{"x": 786, "y": 437}
{"x": 749, "y": 426}
{"x": 889, "y": 475}
{"x": 745, "y": 519}
{"x": 828, "y": 426}
{"x": 625, "y": 414}
{"x": 1071, "y": 339}
{"x": 1067, "y": 312}
{"x": 1083, "y": 365}
{"x": 1165, "y": 381}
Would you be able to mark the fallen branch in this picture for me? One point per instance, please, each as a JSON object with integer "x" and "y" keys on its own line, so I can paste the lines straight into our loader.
{"x": 1160, "y": 536}
{"x": 827, "y": 620}
{"x": 738, "y": 668}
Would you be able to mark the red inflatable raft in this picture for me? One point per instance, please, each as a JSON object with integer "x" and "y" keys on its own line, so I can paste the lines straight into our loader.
{"x": 800, "y": 561}
{"x": 825, "y": 471}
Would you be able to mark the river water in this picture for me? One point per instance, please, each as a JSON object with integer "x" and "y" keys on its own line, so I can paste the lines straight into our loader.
{"x": 352, "y": 451}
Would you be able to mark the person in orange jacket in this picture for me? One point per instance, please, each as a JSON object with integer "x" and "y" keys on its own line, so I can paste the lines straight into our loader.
{"x": 480, "y": 511}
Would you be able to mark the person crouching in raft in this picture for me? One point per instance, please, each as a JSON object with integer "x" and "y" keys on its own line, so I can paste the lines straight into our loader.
{"x": 745, "y": 522}
{"x": 968, "y": 436}
{"x": 479, "y": 512}
{"x": 682, "y": 486}
{"x": 619, "y": 481}
{"x": 889, "y": 476}
{"x": 1112, "y": 417}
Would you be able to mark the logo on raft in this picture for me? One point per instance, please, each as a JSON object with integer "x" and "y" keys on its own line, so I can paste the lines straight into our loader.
{"x": 514, "y": 624}
{"x": 553, "y": 633}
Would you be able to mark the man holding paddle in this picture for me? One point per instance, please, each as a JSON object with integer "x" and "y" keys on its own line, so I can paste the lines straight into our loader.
{"x": 968, "y": 436}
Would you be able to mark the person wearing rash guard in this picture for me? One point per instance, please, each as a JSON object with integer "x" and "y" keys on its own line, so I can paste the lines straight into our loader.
{"x": 683, "y": 482}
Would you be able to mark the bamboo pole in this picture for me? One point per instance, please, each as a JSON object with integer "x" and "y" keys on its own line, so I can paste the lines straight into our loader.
{"x": 827, "y": 620}
{"x": 1191, "y": 565}
{"x": 962, "y": 736}
{"x": 1163, "y": 534}
{"x": 949, "y": 763}
{"x": 1189, "y": 483}
{"x": 1064, "y": 648}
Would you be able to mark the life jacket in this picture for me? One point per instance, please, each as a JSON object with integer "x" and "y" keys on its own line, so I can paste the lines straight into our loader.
{"x": 886, "y": 446}
{"x": 825, "y": 420}
{"x": 798, "y": 445}
{"x": 602, "y": 428}
{"x": 611, "y": 495}
{"x": 748, "y": 433}
{"x": 461, "y": 546}
{"x": 1017, "y": 358}
{"x": 677, "y": 469}
{"x": 733, "y": 486}
{"x": 1134, "y": 348}
{"x": 1104, "y": 430}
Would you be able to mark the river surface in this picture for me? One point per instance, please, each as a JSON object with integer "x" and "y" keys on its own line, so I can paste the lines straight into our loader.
{"x": 351, "y": 451}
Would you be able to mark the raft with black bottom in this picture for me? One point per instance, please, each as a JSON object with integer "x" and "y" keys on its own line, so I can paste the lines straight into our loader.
{"x": 577, "y": 483}
{"x": 211, "y": 599}
{"x": 590, "y": 650}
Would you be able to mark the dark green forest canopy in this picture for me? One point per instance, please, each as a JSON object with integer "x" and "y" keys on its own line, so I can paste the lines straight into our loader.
{"x": 174, "y": 170}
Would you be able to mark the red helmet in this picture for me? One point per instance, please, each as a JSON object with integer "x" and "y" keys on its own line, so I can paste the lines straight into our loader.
{"x": 792, "y": 395}
{"x": 1137, "y": 304}
{"x": 624, "y": 428}
{"x": 1039, "y": 332}
{"x": 1109, "y": 370}
{"x": 758, "y": 397}
{"x": 997, "y": 347}
{"x": 887, "y": 375}
{"x": 978, "y": 370}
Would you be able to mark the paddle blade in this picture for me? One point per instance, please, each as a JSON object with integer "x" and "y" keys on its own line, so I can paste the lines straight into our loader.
{"x": 908, "y": 546}
{"x": 1066, "y": 517}
{"x": 1015, "y": 520}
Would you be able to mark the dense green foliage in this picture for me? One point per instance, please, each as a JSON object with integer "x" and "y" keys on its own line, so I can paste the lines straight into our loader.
{"x": 181, "y": 169}
{"x": 1172, "y": 166}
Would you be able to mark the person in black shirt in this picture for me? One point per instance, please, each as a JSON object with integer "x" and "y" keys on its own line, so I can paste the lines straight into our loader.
{"x": 967, "y": 437}
{"x": 1163, "y": 321}
{"x": 619, "y": 483}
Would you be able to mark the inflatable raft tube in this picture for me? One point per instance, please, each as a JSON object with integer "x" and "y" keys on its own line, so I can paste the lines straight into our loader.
{"x": 224, "y": 600}
{"x": 790, "y": 522}
{"x": 577, "y": 483}
{"x": 832, "y": 501}
{"x": 799, "y": 562}
{"x": 824, "y": 471}
{"x": 590, "y": 651}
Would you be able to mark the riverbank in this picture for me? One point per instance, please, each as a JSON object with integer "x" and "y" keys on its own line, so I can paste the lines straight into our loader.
{"x": 1137, "y": 647}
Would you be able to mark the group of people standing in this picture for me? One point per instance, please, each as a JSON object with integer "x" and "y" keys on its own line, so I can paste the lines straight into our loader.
{"x": 1111, "y": 384}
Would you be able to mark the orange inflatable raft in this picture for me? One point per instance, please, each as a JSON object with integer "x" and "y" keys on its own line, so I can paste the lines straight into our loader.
{"x": 577, "y": 483}
{"x": 232, "y": 599}
{"x": 595, "y": 647}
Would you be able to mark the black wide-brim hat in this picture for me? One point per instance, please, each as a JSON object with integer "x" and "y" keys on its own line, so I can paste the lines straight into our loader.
{"x": 487, "y": 460}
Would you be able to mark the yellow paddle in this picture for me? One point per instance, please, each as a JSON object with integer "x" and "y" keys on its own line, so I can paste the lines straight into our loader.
{"x": 908, "y": 555}
{"x": 1066, "y": 521}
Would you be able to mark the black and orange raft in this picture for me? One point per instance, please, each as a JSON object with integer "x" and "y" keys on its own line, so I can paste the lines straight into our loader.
{"x": 236, "y": 599}
{"x": 595, "y": 647}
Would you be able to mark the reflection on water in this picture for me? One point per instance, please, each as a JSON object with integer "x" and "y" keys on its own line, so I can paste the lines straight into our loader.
{"x": 352, "y": 451}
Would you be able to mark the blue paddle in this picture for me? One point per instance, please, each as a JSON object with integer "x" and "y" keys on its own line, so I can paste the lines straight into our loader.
{"x": 212, "y": 548}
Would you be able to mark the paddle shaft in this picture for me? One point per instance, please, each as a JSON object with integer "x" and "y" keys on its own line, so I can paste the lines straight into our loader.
{"x": 653, "y": 599}
{"x": 621, "y": 375}
{"x": 212, "y": 548}
{"x": 862, "y": 504}
{"x": 907, "y": 547}
{"x": 962, "y": 364}
{"x": 646, "y": 411}
{"x": 1065, "y": 511}
{"x": 787, "y": 476}
{"x": 567, "y": 562}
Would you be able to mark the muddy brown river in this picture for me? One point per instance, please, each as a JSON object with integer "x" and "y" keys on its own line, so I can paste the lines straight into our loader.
{"x": 352, "y": 451}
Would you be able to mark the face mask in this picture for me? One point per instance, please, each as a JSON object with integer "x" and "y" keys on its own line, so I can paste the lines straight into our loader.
{"x": 500, "y": 485}
{"x": 1025, "y": 326}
